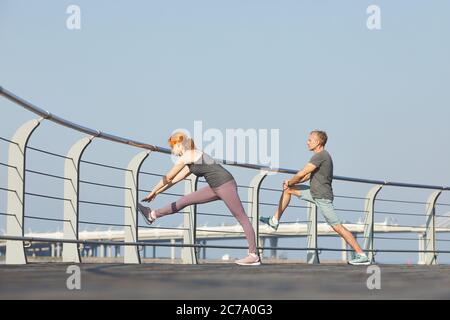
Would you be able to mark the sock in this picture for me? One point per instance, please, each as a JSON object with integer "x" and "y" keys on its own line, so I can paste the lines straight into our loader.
{"x": 153, "y": 215}
{"x": 275, "y": 220}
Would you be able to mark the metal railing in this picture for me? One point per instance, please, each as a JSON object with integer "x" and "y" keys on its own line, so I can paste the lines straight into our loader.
{"x": 17, "y": 242}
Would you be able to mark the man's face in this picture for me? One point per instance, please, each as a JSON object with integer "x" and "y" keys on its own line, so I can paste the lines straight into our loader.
{"x": 312, "y": 142}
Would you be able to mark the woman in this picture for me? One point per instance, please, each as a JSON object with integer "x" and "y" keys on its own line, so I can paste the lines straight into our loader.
{"x": 221, "y": 185}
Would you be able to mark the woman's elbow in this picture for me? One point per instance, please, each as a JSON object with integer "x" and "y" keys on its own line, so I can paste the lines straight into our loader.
{"x": 167, "y": 180}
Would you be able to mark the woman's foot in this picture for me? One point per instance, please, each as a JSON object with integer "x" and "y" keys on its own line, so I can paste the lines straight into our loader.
{"x": 251, "y": 260}
{"x": 147, "y": 213}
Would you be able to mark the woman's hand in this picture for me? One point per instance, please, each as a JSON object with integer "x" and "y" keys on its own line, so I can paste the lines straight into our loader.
{"x": 150, "y": 197}
{"x": 285, "y": 184}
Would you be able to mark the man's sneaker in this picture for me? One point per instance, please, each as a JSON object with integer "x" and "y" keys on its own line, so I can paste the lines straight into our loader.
{"x": 360, "y": 260}
{"x": 250, "y": 260}
{"x": 146, "y": 213}
{"x": 268, "y": 221}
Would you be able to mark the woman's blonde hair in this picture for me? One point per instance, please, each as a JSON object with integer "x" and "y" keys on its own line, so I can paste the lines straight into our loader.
{"x": 181, "y": 137}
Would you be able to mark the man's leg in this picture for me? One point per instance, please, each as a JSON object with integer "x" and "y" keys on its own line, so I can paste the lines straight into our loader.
{"x": 284, "y": 201}
{"x": 326, "y": 208}
{"x": 361, "y": 259}
{"x": 348, "y": 237}
{"x": 282, "y": 205}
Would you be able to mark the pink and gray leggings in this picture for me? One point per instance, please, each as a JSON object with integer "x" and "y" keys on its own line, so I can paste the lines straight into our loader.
{"x": 227, "y": 192}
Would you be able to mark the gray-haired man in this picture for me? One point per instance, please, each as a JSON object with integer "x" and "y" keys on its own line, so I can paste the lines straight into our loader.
{"x": 320, "y": 171}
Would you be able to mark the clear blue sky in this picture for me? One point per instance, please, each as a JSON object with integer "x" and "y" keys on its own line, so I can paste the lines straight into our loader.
{"x": 142, "y": 68}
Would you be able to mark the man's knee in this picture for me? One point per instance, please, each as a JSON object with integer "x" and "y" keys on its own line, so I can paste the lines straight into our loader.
{"x": 290, "y": 191}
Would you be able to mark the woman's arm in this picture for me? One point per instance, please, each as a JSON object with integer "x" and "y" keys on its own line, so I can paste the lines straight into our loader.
{"x": 166, "y": 181}
{"x": 180, "y": 176}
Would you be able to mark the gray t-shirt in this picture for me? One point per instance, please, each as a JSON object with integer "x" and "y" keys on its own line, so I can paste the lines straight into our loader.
{"x": 322, "y": 177}
{"x": 205, "y": 166}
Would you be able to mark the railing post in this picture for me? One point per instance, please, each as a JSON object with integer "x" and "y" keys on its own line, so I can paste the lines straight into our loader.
{"x": 131, "y": 253}
{"x": 253, "y": 203}
{"x": 172, "y": 250}
{"x": 189, "y": 254}
{"x": 15, "y": 252}
{"x": 430, "y": 233}
{"x": 261, "y": 241}
{"x": 312, "y": 255}
{"x": 70, "y": 251}
{"x": 369, "y": 221}
{"x": 421, "y": 260}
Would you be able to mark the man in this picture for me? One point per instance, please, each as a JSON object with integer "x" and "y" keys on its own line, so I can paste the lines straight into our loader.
{"x": 320, "y": 171}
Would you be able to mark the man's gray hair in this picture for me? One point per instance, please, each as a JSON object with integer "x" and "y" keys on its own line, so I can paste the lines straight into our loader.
{"x": 322, "y": 136}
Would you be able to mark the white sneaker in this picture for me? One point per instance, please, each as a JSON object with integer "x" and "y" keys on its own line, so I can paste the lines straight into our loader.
{"x": 146, "y": 212}
{"x": 251, "y": 260}
{"x": 360, "y": 260}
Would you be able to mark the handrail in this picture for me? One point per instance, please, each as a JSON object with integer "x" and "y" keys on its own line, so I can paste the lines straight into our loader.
{"x": 99, "y": 134}
{"x": 157, "y": 244}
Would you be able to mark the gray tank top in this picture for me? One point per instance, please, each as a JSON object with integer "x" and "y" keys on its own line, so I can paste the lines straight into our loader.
{"x": 214, "y": 174}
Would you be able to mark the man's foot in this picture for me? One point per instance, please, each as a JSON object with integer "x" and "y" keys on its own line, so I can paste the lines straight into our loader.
{"x": 251, "y": 260}
{"x": 146, "y": 212}
{"x": 269, "y": 221}
{"x": 360, "y": 260}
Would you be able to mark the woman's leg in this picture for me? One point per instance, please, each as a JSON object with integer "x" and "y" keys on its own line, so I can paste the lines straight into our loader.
{"x": 228, "y": 193}
{"x": 203, "y": 195}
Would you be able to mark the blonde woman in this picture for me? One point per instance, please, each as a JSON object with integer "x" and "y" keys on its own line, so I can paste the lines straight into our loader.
{"x": 221, "y": 186}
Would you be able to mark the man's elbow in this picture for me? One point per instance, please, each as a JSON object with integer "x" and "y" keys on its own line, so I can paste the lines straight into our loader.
{"x": 302, "y": 174}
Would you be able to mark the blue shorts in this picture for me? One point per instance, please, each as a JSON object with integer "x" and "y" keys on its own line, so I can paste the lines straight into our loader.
{"x": 325, "y": 206}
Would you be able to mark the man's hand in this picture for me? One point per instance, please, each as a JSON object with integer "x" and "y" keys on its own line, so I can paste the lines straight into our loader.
{"x": 304, "y": 174}
{"x": 150, "y": 197}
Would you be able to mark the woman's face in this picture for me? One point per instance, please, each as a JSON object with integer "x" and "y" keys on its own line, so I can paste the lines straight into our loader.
{"x": 178, "y": 149}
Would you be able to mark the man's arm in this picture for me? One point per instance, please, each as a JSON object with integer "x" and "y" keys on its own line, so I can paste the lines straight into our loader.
{"x": 303, "y": 175}
{"x": 305, "y": 178}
